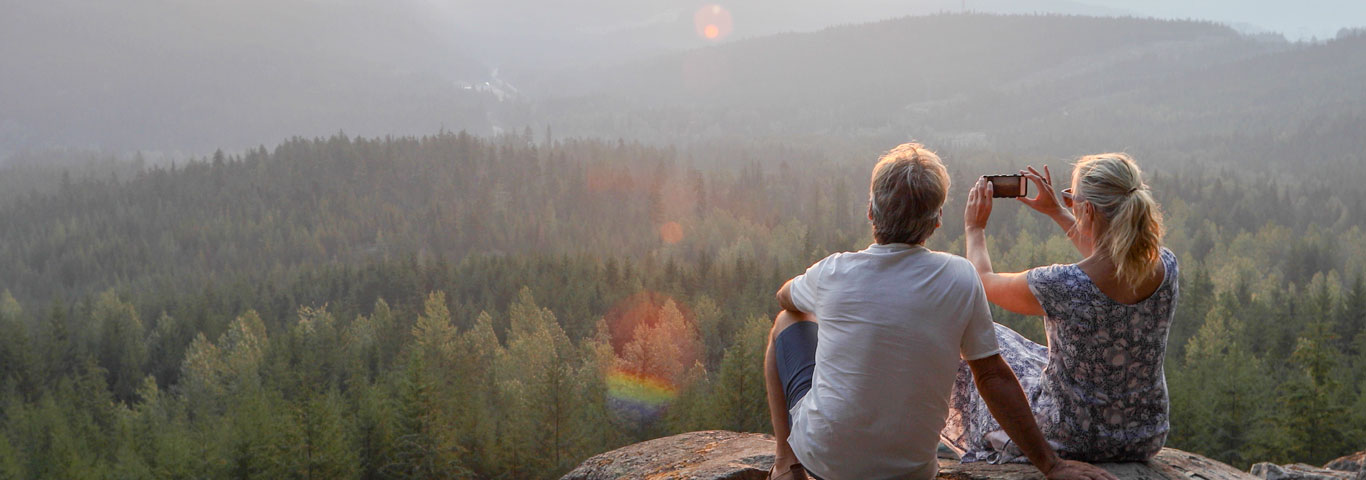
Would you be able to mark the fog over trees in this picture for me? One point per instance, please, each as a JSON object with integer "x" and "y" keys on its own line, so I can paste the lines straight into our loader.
{"x": 418, "y": 239}
{"x": 168, "y": 76}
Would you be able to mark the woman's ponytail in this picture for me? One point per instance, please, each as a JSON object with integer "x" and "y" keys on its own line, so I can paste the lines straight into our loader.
{"x": 1114, "y": 184}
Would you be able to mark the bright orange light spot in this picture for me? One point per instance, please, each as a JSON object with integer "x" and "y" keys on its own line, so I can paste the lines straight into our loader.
{"x": 713, "y": 22}
{"x": 642, "y": 308}
{"x": 671, "y": 232}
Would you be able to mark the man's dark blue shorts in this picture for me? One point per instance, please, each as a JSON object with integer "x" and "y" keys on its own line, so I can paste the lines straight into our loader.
{"x": 795, "y": 349}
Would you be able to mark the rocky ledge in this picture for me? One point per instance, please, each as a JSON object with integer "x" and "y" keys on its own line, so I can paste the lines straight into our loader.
{"x": 1350, "y": 467}
{"x": 1355, "y": 462}
{"x": 722, "y": 455}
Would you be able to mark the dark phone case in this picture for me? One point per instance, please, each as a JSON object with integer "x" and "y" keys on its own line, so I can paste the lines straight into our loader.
{"x": 1022, "y": 190}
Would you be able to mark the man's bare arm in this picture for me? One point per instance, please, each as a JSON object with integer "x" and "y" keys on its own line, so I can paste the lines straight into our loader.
{"x": 1000, "y": 389}
{"x": 785, "y": 297}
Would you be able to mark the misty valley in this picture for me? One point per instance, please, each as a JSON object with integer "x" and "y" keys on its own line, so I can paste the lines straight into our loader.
{"x": 503, "y": 277}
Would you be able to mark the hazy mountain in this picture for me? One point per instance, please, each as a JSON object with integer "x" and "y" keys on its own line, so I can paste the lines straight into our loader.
{"x": 896, "y": 61}
{"x": 170, "y": 75}
{"x": 1297, "y": 20}
{"x": 167, "y": 74}
{"x": 1054, "y": 84}
{"x": 939, "y": 72}
{"x": 530, "y": 34}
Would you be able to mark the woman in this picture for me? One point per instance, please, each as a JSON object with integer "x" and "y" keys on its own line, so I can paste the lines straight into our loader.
{"x": 1097, "y": 389}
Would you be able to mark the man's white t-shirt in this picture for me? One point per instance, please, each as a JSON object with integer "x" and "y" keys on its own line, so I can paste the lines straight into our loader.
{"x": 894, "y": 321}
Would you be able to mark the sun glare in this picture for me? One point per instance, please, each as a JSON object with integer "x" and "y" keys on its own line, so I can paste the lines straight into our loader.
{"x": 671, "y": 232}
{"x": 713, "y": 22}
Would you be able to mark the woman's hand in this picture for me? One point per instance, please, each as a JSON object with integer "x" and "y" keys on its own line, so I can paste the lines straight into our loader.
{"x": 1046, "y": 201}
{"x": 979, "y": 206}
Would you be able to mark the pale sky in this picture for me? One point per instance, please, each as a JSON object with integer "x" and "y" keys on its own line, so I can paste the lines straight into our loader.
{"x": 513, "y": 32}
{"x": 1298, "y": 19}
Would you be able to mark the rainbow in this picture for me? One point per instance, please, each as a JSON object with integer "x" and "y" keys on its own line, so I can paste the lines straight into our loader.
{"x": 640, "y": 395}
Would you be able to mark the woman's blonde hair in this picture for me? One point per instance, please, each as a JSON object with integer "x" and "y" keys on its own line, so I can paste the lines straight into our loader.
{"x": 1113, "y": 183}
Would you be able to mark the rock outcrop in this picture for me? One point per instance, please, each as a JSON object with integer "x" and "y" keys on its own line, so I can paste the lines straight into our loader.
{"x": 718, "y": 455}
{"x": 1355, "y": 462}
{"x": 713, "y": 454}
{"x": 1351, "y": 467}
{"x": 1298, "y": 471}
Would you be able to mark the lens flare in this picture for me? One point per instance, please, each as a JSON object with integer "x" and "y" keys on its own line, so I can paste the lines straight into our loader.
{"x": 713, "y": 22}
{"x": 642, "y": 308}
{"x": 638, "y": 395}
{"x": 671, "y": 232}
{"x": 654, "y": 344}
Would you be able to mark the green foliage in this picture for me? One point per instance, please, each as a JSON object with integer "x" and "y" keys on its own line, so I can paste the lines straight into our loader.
{"x": 1310, "y": 415}
{"x": 739, "y": 393}
{"x": 314, "y": 441}
{"x": 121, "y": 350}
{"x": 16, "y": 354}
{"x": 445, "y": 306}
{"x": 1218, "y": 394}
{"x": 535, "y": 377}
{"x": 425, "y": 447}
{"x": 10, "y": 467}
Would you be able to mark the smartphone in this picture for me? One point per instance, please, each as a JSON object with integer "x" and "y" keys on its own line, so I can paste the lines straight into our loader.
{"x": 1008, "y": 186}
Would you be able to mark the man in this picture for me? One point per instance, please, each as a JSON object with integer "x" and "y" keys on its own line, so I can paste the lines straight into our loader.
{"x": 892, "y": 322}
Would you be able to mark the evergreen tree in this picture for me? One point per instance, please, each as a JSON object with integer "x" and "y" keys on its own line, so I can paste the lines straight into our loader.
{"x": 1352, "y": 317}
{"x": 486, "y": 418}
{"x": 16, "y": 354}
{"x": 1309, "y": 415}
{"x": 597, "y": 429}
{"x": 121, "y": 347}
{"x": 424, "y": 447}
{"x": 316, "y": 443}
{"x": 374, "y": 430}
{"x": 739, "y": 392}
{"x": 10, "y": 467}
{"x": 536, "y": 378}
{"x": 1218, "y": 392}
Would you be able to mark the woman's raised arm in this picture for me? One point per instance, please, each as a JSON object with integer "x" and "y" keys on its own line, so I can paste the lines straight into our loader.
{"x": 1009, "y": 290}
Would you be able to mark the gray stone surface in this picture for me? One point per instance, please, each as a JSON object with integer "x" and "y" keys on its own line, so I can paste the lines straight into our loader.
{"x": 1355, "y": 462}
{"x": 712, "y": 454}
{"x": 717, "y": 455}
{"x": 1298, "y": 471}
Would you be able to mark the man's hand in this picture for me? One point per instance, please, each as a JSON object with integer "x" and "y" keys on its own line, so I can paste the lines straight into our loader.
{"x": 1074, "y": 470}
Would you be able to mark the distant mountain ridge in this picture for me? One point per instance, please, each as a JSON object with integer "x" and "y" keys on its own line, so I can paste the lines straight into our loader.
{"x": 172, "y": 75}
{"x": 1049, "y": 83}
{"x": 944, "y": 55}
{"x": 166, "y": 77}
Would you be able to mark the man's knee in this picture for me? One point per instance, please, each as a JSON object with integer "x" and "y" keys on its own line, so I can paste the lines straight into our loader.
{"x": 787, "y": 318}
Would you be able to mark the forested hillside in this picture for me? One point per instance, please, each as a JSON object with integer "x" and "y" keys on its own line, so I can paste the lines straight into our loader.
{"x": 467, "y": 305}
{"x": 457, "y": 305}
